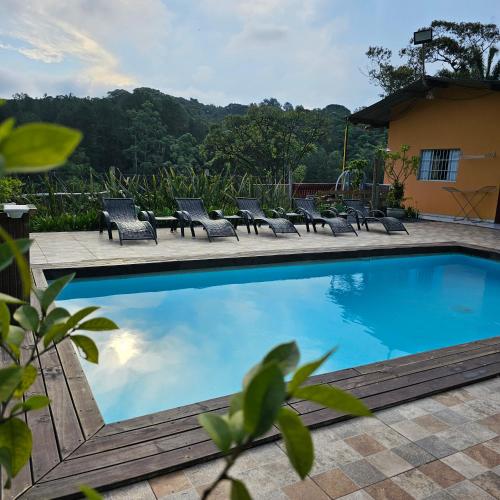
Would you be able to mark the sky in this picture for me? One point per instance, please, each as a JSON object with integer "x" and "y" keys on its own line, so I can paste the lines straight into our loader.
{"x": 309, "y": 52}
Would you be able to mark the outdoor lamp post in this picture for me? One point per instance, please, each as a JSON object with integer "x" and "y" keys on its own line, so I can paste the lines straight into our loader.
{"x": 422, "y": 37}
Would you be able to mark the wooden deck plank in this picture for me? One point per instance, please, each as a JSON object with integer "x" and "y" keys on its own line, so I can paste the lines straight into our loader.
{"x": 21, "y": 483}
{"x": 45, "y": 455}
{"x": 164, "y": 416}
{"x": 86, "y": 407}
{"x": 366, "y": 390}
{"x": 124, "y": 473}
{"x": 143, "y": 434}
{"x": 69, "y": 433}
{"x": 376, "y": 402}
{"x": 427, "y": 355}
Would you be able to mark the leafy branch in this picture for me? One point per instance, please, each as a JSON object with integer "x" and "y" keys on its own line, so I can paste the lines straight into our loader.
{"x": 262, "y": 403}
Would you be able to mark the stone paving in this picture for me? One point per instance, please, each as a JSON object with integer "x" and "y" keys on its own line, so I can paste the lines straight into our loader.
{"x": 437, "y": 448}
{"x": 86, "y": 247}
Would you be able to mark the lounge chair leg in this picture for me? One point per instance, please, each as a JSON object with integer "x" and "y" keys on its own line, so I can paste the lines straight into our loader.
{"x": 255, "y": 228}
{"x": 182, "y": 230}
{"x": 248, "y": 228}
{"x": 192, "y": 231}
{"x": 366, "y": 225}
{"x": 314, "y": 227}
{"x": 110, "y": 234}
{"x": 307, "y": 227}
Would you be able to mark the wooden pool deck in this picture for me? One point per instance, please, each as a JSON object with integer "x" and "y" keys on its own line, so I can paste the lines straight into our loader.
{"x": 72, "y": 445}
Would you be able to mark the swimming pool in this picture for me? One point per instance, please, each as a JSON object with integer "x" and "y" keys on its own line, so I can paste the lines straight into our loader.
{"x": 191, "y": 336}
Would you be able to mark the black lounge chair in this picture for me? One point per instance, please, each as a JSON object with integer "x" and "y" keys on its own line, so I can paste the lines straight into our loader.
{"x": 192, "y": 213}
{"x": 307, "y": 208}
{"x": 121, "y": 213}
{"x": 364, "y": 214}
{"x": 252, "y": 213}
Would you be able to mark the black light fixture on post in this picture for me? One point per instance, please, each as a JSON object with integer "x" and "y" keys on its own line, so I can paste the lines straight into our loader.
{"x": 422, "y": 37}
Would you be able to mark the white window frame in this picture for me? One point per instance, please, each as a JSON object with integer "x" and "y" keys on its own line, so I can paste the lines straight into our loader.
{"x": 439, "y": 165}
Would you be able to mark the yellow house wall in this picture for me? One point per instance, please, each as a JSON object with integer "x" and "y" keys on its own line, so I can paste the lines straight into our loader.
{"x": 456, "y": 118}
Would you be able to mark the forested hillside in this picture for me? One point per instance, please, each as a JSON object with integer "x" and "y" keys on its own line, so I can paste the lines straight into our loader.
{"x": 145, "y": 130}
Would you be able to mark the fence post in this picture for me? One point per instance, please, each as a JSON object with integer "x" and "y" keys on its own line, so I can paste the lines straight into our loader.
{"x": 375, "y": 188}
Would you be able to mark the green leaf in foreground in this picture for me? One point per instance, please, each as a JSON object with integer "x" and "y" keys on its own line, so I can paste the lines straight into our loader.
{"x": 98, "y": 325}
{"x": 333, "y": 398}
{"x": 15, "y": 435}
{"x": 285, "y": 355}
{"x": 4, "y": 320}
{"x": 28, "y": 376}
{"x": 218, "y": 429}
{"x": 6, "y": 127}
{"x": 47, "y": 296}
{"x": 263, "y": 398}
{"x": 87, "y": 346}
{"x": 298, "y": 442}
{"x": 239, "y": 491}
{"x": 6, "y": 463}
{"x": 10, "y": 378}
{"x": 305, "y": 371}
{"x": 89, "y": 493}
{"x": 6, "y": 253}
{"x": 79, "y": 315}
{"x": 236, "y": 425}
{"x": 8, "y": 299}
{"x": 36, "y": 147}
{"x": 27, "y": 317}
{"x": 36, "y": 403}
{"x": 56, "y": 316}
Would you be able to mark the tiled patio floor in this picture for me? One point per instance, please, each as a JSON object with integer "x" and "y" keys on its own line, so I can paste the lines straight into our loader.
{"x": 87, "y": 247}
{"x": 442, "y": 447}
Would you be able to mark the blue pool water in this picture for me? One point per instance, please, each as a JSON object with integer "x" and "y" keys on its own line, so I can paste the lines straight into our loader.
{"x": 187, "y": 337}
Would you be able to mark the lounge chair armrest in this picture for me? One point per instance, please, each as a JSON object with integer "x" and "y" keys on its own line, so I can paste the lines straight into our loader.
{"x": 356, "y": 213}
{"x": 331, "y": 212}
{"x": 183, "y": 216}
{"x": 216, "y": 214}
{"x": 105, "y": 217}
{"x": 148, "y": 216}
{"x": 278, "y": 212}
{"x": 376, "y": 213}
{"x": 247, "y": 215}
{"x": 305, "y": 214}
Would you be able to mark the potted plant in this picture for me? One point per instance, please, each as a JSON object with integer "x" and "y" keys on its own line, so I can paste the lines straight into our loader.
{"x": 356, "y": 170}
{"x": 398, "y": 168}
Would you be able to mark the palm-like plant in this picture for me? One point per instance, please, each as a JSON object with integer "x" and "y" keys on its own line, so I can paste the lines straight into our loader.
{"x": 484, "y": 68}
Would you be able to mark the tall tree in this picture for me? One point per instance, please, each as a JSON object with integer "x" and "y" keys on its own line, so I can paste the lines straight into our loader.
{"x": 455, "y": 48}
{"x": 149, "y": 138}
{"x": 267, "y": 140}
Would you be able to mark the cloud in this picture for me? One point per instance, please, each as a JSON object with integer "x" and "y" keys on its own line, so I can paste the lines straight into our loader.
{"x": 81, "y": 34}
{"x": 217, "y": 51}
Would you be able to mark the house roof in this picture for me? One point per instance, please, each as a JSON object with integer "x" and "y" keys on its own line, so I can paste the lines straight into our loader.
{"x": 380, "y": 113}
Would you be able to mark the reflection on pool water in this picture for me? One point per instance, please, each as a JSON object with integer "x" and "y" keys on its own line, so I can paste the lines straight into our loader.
{"x": 187, "y": 337}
